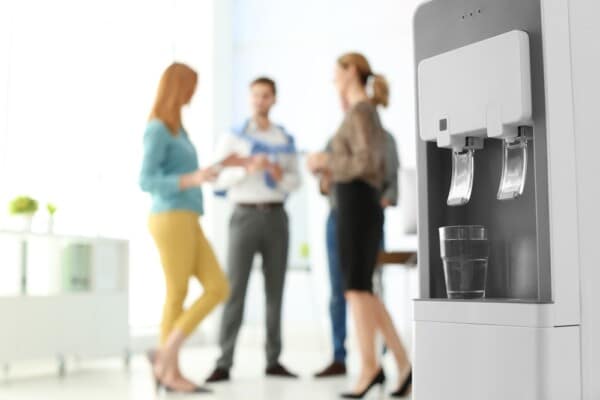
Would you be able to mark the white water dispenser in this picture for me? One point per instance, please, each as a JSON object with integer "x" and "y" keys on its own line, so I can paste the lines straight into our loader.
{"x": 506, "y": 183}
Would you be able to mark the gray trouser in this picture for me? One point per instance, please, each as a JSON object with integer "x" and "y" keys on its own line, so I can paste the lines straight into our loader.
{"x": 264, "y": 232}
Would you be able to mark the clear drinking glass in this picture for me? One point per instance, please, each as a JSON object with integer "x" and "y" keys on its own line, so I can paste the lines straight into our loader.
{"x": 465, "y": 252}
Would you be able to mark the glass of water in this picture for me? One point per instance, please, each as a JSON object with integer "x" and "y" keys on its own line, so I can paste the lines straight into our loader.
{"x": 465, "y": 252}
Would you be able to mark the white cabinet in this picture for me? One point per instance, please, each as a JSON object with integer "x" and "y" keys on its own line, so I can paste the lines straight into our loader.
{"x": 62, "y": 296}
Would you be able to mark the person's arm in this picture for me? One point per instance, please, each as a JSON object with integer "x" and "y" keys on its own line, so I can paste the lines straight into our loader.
{"x": 289, "y": 174}
{"x": 229, "y": 175}
{"x": 348, "y": 165}
{"x": 389, "y": 196}
{"x": 152, "y": 177}
{"x": 325, "y": 179}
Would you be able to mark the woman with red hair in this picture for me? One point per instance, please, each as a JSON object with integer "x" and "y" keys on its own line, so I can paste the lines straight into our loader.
{"x": 170, "y": 173}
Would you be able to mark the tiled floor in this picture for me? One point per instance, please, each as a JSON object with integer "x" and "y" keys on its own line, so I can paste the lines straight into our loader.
{"x": 108, "y": 380}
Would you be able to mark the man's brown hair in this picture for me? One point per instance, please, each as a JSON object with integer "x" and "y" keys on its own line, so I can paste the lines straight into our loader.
{"x": 263, "y": 80}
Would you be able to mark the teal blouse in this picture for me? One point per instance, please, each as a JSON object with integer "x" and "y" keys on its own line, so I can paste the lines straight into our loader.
{"x": 166, "y": 158}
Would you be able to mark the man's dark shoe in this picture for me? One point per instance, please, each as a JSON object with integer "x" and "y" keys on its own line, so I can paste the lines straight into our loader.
{"x": 218, "y": 375}
{"x": 280, "y": 371}
{"x": 336, "y": 368}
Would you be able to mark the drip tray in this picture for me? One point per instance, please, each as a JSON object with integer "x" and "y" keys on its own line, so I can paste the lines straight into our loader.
{"x": 501, "y": 300}
{"x": 504, "y": 312}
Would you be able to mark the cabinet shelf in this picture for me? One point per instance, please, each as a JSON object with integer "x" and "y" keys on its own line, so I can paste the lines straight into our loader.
{"x": 69, "y": 296}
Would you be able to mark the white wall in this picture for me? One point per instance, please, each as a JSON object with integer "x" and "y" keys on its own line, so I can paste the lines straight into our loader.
{"x": 4, "y": 45}
{"x": 76, "y": 85}
{"x": 297, "y": 43}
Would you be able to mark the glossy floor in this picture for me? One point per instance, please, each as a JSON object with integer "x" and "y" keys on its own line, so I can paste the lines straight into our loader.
{"x": 109, "y": 380}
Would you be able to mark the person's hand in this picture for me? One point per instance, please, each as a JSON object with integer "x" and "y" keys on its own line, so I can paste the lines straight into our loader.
{"x": 204, "y": 175}
{"x": 234, "y": 160}
{"x": 385, "y": 203}
{"x": 325, "y": 183}
{"x": 318, "y": 162}
{"x": 257, "y": 163}
{"x": 275, "y": 171}
{"x": 198, "y": 178}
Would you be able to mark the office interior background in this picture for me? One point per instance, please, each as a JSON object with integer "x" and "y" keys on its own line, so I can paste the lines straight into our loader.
{"x": 77, "y": 79}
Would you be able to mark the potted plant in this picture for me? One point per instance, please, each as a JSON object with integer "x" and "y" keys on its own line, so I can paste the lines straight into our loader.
{"x": 24, "y": 207}
{"x": 51, "y": 208}
{"x": 304, "y": 251}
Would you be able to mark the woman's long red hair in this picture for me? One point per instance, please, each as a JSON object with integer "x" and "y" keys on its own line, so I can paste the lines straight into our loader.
{"x": 175, "y": 89}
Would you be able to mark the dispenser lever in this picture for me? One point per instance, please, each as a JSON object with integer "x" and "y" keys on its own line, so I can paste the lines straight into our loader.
{"x": 514, "y": 166}
{"x": 463, "y": 170}
{"x": 461, "y": 185}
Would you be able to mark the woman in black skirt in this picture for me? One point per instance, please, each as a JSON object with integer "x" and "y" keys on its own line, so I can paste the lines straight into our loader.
{"x": 356, "y": 165}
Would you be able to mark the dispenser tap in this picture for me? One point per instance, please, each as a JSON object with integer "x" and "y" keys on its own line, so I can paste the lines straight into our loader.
{"x": 514, "y": 165}
{"x": 479, "y": 91}
{"x": 463, "y": 171}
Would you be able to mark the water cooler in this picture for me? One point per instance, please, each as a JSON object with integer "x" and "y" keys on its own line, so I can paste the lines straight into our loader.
{"x": 508, "y": 138}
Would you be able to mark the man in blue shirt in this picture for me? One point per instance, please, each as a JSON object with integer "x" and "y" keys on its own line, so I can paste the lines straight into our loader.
{"x": 259, "y": 224}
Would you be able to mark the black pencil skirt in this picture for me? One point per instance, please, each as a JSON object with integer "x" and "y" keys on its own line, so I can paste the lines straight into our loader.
{"x": 359, "y": 229}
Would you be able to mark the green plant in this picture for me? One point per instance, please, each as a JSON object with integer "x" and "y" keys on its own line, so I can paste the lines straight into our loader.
{"x": 51, "y": 209}
{"x": 23, "y": 205}
{"x": 305, "y": 250}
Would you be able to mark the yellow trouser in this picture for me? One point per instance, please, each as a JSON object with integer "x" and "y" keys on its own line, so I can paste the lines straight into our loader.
{"x": 185, "y": 252}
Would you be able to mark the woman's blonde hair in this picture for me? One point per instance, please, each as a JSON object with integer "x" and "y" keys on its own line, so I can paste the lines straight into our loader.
{"x": 381, "y": 91}
{"x": 175, "y": 89}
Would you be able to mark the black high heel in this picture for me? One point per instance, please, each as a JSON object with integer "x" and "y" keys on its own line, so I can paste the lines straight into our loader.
{"x": 378, "y": 380}
{"x": 403, "y": 391}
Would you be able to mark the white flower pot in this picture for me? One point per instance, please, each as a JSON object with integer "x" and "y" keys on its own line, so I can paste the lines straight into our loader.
{"x": 51, "y": 224}
{"x": 23, "y": 222}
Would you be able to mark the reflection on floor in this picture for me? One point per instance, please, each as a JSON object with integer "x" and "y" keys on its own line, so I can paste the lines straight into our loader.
{"x": 108, "y": 380}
